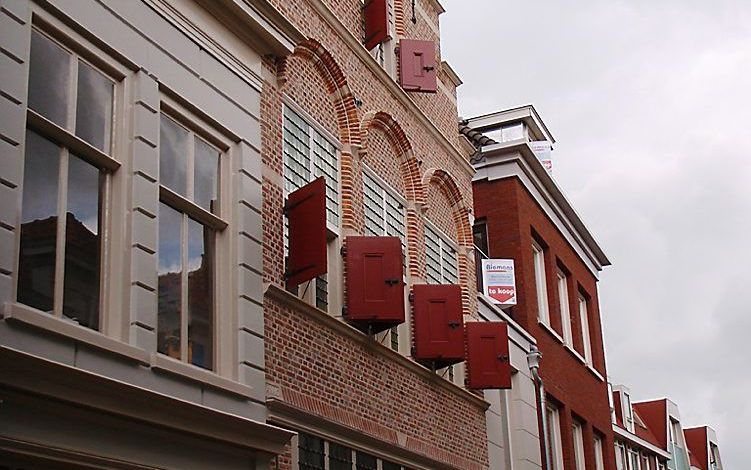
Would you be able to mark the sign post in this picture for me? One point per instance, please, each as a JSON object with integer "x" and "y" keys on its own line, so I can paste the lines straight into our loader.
{"x": 499, "y": 281}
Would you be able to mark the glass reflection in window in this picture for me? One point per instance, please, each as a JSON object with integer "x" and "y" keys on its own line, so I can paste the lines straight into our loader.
{"x": 200, "y": 294}
{"x": 49, "y": 76}
{"x": 173, "y": 156}
{"x": 169, "y": 281}
{"x": 94, "y": 107}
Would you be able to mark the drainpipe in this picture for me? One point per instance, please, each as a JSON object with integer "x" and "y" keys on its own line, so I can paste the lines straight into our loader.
{"x": 533, "y": 360}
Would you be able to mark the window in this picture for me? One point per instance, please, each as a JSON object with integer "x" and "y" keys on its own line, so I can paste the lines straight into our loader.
{"x": 340, "y": 457}
{"x": 584, "y": 320}
{"x": 554, "y": 438}
{"x": 633, "y": 457}
{"x": 384, "y": 217}
{"x": 628, "y": 412}
{"x": 621, "y": 460}
{"x": 538, "y": 256}
{"x": 188, "y": 223}
{"x": 310, "y": 452}
{"x": 578, "y": 446}
{"x": 480, "y": 236}
{"x": 599, "y": 458}
{"x": 314, "y": 453}
{"x": 68, "y": 168}
{"x": 509, "y": 132}
{"x": 384, "y": 53}
{"x": 441, "y": 258}
{"x": 308, "y": 154}
{"x": 563, "y": 302}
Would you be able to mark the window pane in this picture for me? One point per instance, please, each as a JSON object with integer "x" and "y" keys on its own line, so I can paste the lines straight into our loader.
{"x": 200, "y": 294}
{"x": 340, "y": 457}
{"x": 310, "y": 452}
{"x": 36, "y": 270}
{"x": 94, "y": 107}
{"x": 48, "y": 79}
{"x": 173, "y": 156}
{"x": 366, "y": 462}
{"x": 206, "y": 171}
{"x": 82, "y": 244}
{"x": 391, "y": 466}
{"x": 170, "y": 281}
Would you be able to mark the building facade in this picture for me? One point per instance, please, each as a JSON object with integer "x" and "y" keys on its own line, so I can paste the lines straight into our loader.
{"x": 394, "y": 167}
{"x": 130, "y": 336}
{"x": 521, "y": 214}
{"x": 636, "y": 445}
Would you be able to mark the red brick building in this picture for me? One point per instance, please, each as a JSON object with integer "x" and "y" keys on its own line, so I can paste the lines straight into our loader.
{"x": 521, "y": 214}
{"x": 393, "y": 166}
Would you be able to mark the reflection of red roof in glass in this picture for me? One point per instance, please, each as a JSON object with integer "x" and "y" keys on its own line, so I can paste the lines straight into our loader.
{"x": 696, "y": 441}
{"x": 655, "y": 416}
{"x": 618, "y": 409}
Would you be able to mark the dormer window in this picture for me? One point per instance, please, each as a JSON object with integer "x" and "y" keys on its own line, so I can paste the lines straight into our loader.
{"x": 509, "y": 132}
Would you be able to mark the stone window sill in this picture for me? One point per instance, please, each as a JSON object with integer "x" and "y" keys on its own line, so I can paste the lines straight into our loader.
{"x": 168, "y": 365}
{"x": 25, "y": 315}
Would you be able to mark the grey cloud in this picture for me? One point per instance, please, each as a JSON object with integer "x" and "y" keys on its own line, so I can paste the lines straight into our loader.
{"x": 650, "y": 104}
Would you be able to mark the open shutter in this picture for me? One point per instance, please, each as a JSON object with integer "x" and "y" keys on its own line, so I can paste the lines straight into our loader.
{"x": 438, "y": 324}
{"x": 306, "y": 214}
{"x": 417, "y": 65}
{"x": 376, "y": 22}
{"x": 488, "y": 363}
{"x": 375, "y": 289}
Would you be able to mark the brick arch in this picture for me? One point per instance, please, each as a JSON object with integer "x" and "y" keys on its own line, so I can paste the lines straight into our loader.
{"x": 409, "y": 167}
{"x": 336, "y": 86}
{"x": 460, "y": 212}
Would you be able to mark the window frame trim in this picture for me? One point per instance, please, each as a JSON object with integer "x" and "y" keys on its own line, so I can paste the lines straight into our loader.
{"x": 541, "y": 284}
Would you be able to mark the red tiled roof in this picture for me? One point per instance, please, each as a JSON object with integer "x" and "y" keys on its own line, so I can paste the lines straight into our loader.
{"x": 654, "y": 414}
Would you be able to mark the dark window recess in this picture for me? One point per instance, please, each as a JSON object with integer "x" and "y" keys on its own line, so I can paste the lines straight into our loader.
{"x": 394, "y": 334}
{"x": 480, "y": 235}
{"x": 438, "y": 324}
{"x": 310, "y": 451}
{"x": 488, "y": 363}
{"x": 391, "y": 466}
{"x": 306, "y": 214}
{"x": 375, "y": 288}
{"x": 417, "y": 65}
{"x": 376, "y": 22}
{"x": 322, "y": 293}
{"x": 340, "y": 457}
{"x": 366, "y": 461}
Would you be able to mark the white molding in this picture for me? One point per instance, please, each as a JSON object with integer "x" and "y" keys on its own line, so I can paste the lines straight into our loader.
{"x": 634, "y": 439}
{"x": 166, "y": 364}
{"x": 517, "y": 160}
{"x": 15, "y": 312}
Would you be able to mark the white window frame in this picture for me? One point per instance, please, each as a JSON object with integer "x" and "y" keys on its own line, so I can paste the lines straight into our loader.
{"x": 538, "y": 257}
{"x": 556, "y": 446}
{"x": 628, "y": 412}
{"x": 81, "y": 50}
{"x": 563, "y": 301}
{"x": 578, "y": 438}
{"x": 308, "y": 291}
{"x": 385, "y": 53}
{"x": 634, "y": 460}
{"x": 398, "y": 335}
{"x": 444, "y": 244}
{"x": 599, "y": 457}
{"x": 218, "y": 222}
{"x": 584, "y": 321}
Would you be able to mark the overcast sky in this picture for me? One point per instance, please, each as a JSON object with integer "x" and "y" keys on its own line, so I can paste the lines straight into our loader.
{"x": 650, "y": 104}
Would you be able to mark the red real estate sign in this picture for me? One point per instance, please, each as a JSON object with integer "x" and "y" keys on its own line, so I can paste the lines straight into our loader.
{"x": 498, "y": 280}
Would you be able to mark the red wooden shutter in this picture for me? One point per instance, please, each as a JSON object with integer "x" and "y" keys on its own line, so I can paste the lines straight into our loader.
{"x": 376, "y": 22}
{"x": 417, "y": 65}
{"x": 488, "y": 363}
{"x": 438, "y": 324}
{"x": 375, "y": 289}
{"x": 306, "y": 214}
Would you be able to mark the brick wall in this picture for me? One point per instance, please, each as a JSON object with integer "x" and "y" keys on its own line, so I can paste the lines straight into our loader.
{"x": 512, "y": 216}
{"x": 312, "y": 366}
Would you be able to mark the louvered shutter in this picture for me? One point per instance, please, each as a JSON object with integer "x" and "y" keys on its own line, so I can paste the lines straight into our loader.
{"x": 375, "y": 289}
{"x": 438, "y": 324}
{"x": 488, "y": 364}
{"x": 306, "y": 216}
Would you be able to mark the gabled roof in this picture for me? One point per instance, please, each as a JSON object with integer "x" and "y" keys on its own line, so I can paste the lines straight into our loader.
{"x": 697, "y": 443}
{"x": 654, "y": 414}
